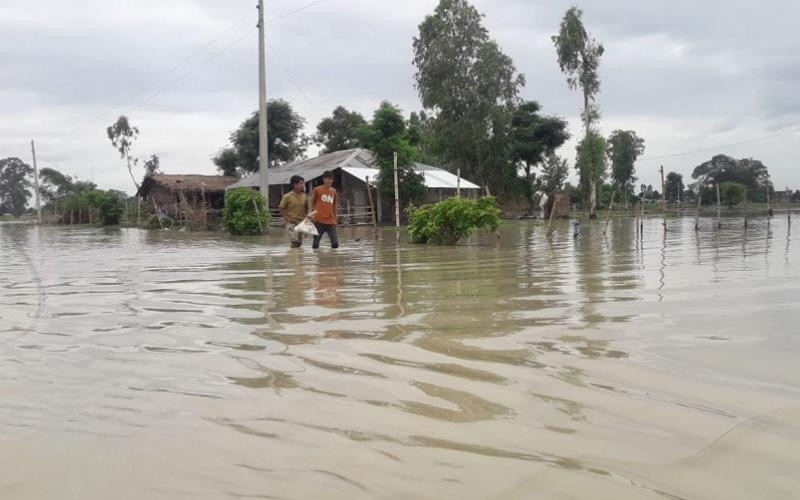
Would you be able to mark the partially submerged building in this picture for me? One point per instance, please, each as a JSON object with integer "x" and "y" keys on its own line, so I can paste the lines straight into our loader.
{"x": 354, "y": 170}
{"x": 185, "y": 198}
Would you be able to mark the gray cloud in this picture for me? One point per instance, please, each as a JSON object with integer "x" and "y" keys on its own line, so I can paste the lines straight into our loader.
{"x": 685, "y": 75}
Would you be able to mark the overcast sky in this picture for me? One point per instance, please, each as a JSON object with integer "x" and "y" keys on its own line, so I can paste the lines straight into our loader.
{"x": 684, "y": 74}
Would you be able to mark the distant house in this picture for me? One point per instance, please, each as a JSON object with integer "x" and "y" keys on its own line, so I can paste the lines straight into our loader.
{"x": 351, "y": 169}
{"x": 185, "y": 198}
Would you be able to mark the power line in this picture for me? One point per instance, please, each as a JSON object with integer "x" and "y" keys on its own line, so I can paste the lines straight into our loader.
{"x": 184, "y": 62}
{"x": 297, "y": 86}
{"x": 170, "y": 71}
{"x": 294, "y": 11}
{"x": 704, "y": 150}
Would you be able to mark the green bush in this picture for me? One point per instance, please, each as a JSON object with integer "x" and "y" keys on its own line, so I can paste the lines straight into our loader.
{"x": 240, "y": 215}
{"x": 453, "y": 219}
{"x": 732, "y": 193}
{"x": 108, "y": 204}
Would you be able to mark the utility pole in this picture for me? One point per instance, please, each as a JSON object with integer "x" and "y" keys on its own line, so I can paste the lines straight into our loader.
{"x": 36, "y": 184}
{"x": 663, "y": 197}
{"x": 396, "y": 195}
{"x": 263, "y": 152}
{"x": 458, "y": 183}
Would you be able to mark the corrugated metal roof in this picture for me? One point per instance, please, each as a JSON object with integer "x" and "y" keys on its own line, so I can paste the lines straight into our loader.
{"x": 359, "y": 163}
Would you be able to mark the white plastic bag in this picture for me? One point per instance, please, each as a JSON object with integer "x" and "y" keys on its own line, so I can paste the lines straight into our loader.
{"x": 307, "y": 227}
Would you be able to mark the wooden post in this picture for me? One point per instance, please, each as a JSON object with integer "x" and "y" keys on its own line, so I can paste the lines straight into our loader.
{"x": 699, "y": 200}
{"x": 663, "y": 197}
{"x": 36, "y": 185}
{"x": 204, "y": 208}
{"x": 608, "y": 214}
{"x": 788, "y": 205}
{"x": 745, "y": 208}
{"x": 458, "y": 183}
{"x": 138, "y": 211}
{"x": 258, "y": 216}
{"x": 641, "y": 220}
{"x": 371, "y": 206}
{"x": 396, "y": 195}
{"x": 719, "y": 221}
{"x": 158, "y": 213}
{"x": 769, "y": 206}
{"x": 552, "y": 214}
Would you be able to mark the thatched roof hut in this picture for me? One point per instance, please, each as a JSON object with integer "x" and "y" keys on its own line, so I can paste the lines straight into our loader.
{"x": 185, "y": 197}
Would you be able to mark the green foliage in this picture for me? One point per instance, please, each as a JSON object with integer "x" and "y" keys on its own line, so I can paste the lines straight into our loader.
{"x": 384, "y": 135}
{"x": 109, "y": 204}
{"x": 732, "y": 193}
{"x": 579, "y": 59}
{"x": 673, "y": 186}
{"x": 285, "y": 141}
{"x": 749, "y": 172}
{"x": 624, "y": 148}
{"x": 337, "y": 132}
{"x": 533, "y": 137}
{"x": 122, "y": 134}
{"x": 470, "y": 86}
{"x": 152, "y": 165}
{"x": 240, "y": 215}
{"x": 15, "y": 185}
{"x": 554, "y": 172}
{"x": 591, "y": 158}
{"x": 453, "y": 219}
{"x": 591, "y": 165}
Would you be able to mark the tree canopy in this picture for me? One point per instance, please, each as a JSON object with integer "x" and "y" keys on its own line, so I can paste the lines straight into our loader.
{"x": 673, "y": 186}
{"x": 384, "y": 135}
{"x": 751, "y": 173}
{"x": 470, "y": 86}
{"x": 15, "y": 185}
{"x": 624, "y": 148}
{"x": 579, "y": 59}
{"x": 337, "y": 132}
{"x": 285, "y": 141}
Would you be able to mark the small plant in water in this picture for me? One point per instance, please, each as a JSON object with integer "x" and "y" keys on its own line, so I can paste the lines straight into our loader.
{"x": 453, "y": 219}
{"x": 244, "y": 212}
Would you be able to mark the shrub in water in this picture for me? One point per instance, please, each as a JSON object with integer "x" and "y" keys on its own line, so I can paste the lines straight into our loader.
{"x": 452, "y": 219}
{"x": 108, "y": 204}
{"x": 244, "y": 212}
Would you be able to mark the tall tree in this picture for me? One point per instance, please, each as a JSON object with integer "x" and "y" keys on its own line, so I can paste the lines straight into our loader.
{"x": 533, "y": 137}
{"x": 15, "y": 185}
{"x": 386, "y": 134}
{"x": 152, "y": 165}
{"x": 554, "y": 172}
{"x": 624, "y": 148}
{"x": 122, "y": 134}
{"x": 673, "y": 186}
{"x": 337, "y": 132}
{"x": 752, "y": 173}
{"x": 468, "y": 84}
{"x": 285, "y": 143}
{"x": 591, "y": 165}
{"x": 579, "y": 58}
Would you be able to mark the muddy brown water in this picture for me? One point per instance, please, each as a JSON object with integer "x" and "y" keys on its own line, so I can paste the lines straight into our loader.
{"x": 139, "y": 364}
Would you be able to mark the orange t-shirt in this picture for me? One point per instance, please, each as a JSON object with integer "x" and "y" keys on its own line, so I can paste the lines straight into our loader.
{"x": 324, "y": 205}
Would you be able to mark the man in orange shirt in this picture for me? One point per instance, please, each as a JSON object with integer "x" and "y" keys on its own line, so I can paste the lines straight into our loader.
{"x": 323, "y": 203}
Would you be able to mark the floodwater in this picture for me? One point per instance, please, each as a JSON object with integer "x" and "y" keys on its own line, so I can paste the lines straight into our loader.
{"x": 167, "y": 365}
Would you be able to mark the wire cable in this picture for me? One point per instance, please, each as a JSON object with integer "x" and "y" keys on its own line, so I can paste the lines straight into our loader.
{"x": 704, "y": 150}
{"x": 206, "y": 61}
{"x": 294, "y": 81}
{"x": 158, "y": 79}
